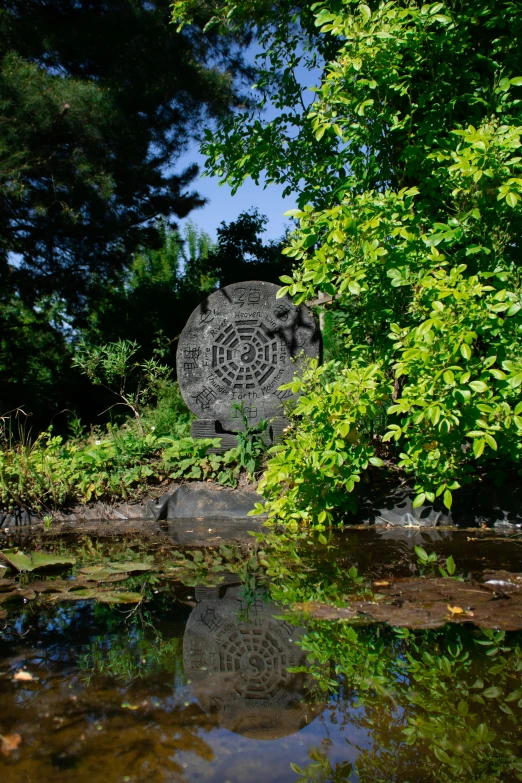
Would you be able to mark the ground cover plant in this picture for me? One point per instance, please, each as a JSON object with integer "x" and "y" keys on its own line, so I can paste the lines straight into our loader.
{"x": 141, "y": 451}
{"x": 405, "y": 160}
{"x": 114, "y": 465}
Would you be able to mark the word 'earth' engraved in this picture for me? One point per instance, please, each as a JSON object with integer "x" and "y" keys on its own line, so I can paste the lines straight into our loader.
{"x": 242, "y": 343}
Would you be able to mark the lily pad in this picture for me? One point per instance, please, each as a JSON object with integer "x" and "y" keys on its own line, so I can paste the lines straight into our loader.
{"x": 102, "y": 571}
{"x": 17, "y": 593}
{"x": 34, "y": 560}
{"x": 94, "y": 569}
{"x": 75, "y": 595}
{"x": 103, "y": 575}
{"x": 57, "y": 585}
{"x": 131, "y": 567}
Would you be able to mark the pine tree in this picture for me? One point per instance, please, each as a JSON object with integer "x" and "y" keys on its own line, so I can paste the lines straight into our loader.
{"x": 97, "y": 101}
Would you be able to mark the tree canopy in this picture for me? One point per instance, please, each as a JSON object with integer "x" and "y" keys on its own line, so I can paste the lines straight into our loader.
{"x": 407, "y": 166}
{"x": 97, "y": 100}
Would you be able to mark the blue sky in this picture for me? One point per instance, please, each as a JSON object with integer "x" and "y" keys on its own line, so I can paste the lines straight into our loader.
{"x": 222, "y": 205}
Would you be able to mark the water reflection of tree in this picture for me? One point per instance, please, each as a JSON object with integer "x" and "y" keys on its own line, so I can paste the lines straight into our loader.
{"x": 432, "y": 706}
{"x": 129, "y": 722}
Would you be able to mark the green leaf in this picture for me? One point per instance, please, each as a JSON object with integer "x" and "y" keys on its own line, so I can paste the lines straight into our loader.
{"x": 419, "y": 500}
{"x": 450, "y": 565}
{"x": 465, "y": 350}
{"x": 447, "y": 499}
{"x": 421, "y": 554}
{"x": 478, "y": 386}
{"x": 365, "y": 11}
{"x": 490, "y": 440}
{"x": 441, "y": 755}
{"x": 492, "y": 692}
{"x": 516, "y": 81}
{"x": 478, "y": 447}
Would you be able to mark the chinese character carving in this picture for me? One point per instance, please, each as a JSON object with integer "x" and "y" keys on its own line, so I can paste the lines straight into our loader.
{"x": 211, "y": 619}
{"x": 205, "y": 397}
{"x": 282, "y": 312}
{"x": 250, "y": 411}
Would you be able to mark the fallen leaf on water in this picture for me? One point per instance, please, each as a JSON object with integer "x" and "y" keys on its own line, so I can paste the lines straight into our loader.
{"x": 381, "y": 584}
{"x": 101, "y": 595}
{"x": 9, "y": 742}
{"x": 455, "y": 609}
{"x": 325, "y": 611}
{"x": 127, "y": 706}
{"x": 24, "y": 676}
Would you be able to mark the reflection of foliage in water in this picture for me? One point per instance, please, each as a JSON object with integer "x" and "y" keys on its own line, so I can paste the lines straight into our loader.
{"x": 434, "y": 690}
{"x": 131, "y": 644}
{"x": 452, "y": 693}
{"x": 133, "y": 656}
{"x": 441, "y": 705}
{"x": 118, "y": 658}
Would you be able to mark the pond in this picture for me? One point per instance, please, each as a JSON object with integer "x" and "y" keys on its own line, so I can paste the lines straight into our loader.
{"x": 265, "y": 664}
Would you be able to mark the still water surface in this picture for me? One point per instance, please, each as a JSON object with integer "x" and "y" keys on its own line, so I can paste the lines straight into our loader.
{"x": 193, "y": 685}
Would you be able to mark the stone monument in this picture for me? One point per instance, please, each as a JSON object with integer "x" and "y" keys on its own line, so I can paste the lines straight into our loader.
{"x": 239, "y": 346}
{"x": 237, "y": 656}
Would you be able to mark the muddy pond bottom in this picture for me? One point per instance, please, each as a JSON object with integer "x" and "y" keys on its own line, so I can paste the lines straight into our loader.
{"x": 215, "y": 680}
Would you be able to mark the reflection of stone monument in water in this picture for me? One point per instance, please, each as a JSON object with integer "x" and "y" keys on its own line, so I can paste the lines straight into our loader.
{"x": 236, "y": 656}
{"x": 237, "y": 347}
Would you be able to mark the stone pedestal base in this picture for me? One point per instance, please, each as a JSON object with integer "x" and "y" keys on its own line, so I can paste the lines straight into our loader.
{"x": 210, "y": 428}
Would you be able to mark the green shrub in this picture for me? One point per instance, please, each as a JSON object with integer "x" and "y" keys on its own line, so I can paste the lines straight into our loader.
{"x": 407, "y": 169}
{"x": 170, "y": 415}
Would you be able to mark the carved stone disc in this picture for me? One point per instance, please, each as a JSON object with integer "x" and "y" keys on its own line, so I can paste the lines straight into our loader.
{"x": 237, "y": 346}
